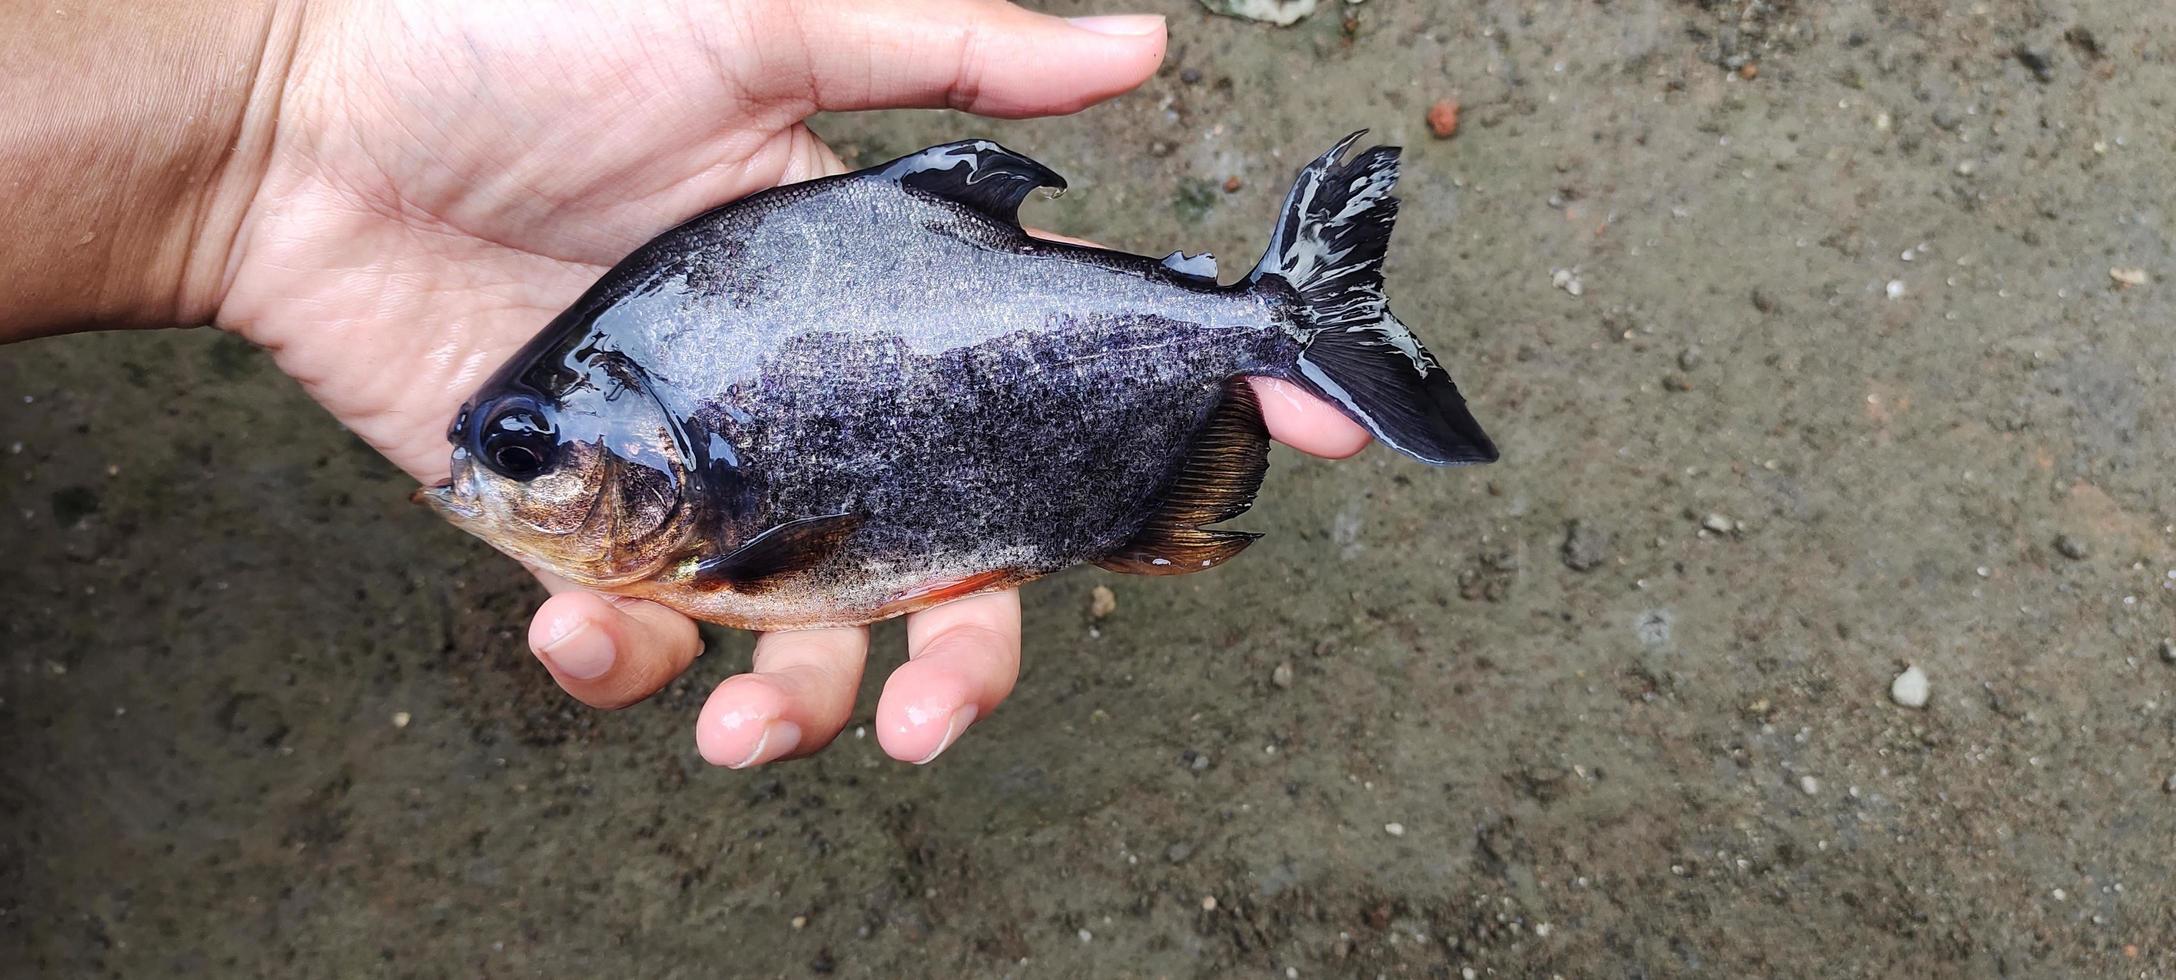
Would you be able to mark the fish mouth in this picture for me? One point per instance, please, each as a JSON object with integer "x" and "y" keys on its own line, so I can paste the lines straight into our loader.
{"x": 452, "y": 498}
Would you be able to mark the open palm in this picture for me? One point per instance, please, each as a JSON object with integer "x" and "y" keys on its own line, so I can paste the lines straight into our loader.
{"x": 445, "y": 178}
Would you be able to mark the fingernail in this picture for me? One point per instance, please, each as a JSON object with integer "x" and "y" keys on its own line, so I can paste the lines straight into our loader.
{"x": 582, "y": 652}
{"x": 962, "y": 718}
{"x": 779, "y": 738}
{"x": 1120, "y": 25}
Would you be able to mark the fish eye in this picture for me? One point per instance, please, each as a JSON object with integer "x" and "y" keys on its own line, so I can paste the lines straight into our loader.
{"x": 518, "y": 440}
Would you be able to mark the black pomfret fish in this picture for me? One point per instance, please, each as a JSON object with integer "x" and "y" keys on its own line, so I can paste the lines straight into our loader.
{"x": 847, "y": 399}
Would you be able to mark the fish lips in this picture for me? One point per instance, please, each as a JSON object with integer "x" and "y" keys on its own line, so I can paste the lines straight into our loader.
{"x": 453, "y": 498}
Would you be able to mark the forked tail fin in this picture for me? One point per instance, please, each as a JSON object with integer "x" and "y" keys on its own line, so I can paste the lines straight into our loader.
{"x": 1328, "y": 245}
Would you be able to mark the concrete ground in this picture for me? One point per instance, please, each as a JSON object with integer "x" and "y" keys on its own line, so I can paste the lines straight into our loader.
{"x": 1803, "y": 328}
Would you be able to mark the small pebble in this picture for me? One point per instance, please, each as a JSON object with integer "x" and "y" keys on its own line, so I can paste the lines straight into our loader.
{"x": 1394, "y": 829}
{"x": 1718, "y": 524}
{"x": 1810, "y": 785}
{"x": 1191, "y": 76}
{"x": 1102, "y": 602}
{"x": 1208, "y": 903}
{"x": 2170, "y": 786}
{"x": 1895, "y": 289}
{"x": 1282, "y": 676}
{"x": 1179, "y": 852}
{"x": 1749, "y": 71}
{"x": 1910, "y": 688}
{"x": 1086, "y": 936}
{"x": 1232, "y": 184}
{"x": 1568, "y": 281}
{"x": 2072, "y": 548}
{"x": 1443, "y": 119}
{"x": 2126, "y": 278}
{"x": 401, "y": 719}
{"x": 2168, "y": 651}
{"x": 1689, "y": 358}
{"x": 799, "y": 922}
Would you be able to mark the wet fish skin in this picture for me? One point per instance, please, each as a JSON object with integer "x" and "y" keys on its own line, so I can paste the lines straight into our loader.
{"x": 844, "y": 399}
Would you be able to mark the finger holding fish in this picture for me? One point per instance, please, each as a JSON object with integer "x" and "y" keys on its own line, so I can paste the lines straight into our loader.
{"x": 1306, "y": 423}
{"x": 610, "y": 651}
{"x": 795, "y": 699}
{"x": 963, "y": 658}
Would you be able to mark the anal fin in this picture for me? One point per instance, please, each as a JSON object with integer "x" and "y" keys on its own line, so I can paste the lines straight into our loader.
{"x": 787, "y": 548}
{"x": 1178, "y": 551}
{"x": 1222, "y": 473}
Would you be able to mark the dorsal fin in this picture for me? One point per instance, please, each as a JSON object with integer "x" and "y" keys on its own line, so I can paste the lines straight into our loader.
{"x": 977, "y": 173}
{"x": 1223, "y": 470}
{"x": 1198, "y": 267}
{"x": 780, "y": 551}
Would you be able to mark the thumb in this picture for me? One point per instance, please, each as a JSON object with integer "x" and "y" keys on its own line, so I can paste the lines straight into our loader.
{"x": 981, "y": 56}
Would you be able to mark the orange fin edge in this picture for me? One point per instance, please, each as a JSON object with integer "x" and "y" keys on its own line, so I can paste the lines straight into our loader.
{"x": 936, "y": 593}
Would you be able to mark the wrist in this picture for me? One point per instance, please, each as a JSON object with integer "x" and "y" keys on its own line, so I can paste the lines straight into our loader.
{"x": 133, "y": 146}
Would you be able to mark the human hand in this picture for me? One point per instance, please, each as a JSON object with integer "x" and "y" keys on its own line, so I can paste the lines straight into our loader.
{"x": 442, "y": 179}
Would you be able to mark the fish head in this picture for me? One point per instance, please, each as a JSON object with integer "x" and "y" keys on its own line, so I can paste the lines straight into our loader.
{"x": 584, "y": 475}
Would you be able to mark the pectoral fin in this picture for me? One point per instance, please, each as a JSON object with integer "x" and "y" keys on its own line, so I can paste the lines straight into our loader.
{"x": 794, "y": 546}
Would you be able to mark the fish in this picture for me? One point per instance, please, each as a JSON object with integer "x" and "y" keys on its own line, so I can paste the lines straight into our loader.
{"x": 851, "y": 398}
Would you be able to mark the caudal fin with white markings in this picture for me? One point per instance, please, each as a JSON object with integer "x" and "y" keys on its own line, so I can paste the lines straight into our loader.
{"x": 1328, "y": 245}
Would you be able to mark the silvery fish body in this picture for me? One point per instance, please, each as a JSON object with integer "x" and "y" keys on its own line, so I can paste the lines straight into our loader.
{"x": 850, "y": 398}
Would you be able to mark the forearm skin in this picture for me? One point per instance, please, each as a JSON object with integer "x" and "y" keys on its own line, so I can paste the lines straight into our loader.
{"x": 132, "y": 137}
